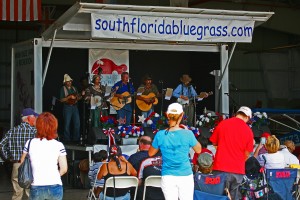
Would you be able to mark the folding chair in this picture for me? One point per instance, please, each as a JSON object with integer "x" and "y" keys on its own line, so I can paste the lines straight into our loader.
{"x": 92, "y": 195}
{"x": 122, "y": 182}
{"x": 282, "y": 182}
{"x": 199, "y": 195}
{"x": 152, "y": 181}
{"x": 210, "y": 186}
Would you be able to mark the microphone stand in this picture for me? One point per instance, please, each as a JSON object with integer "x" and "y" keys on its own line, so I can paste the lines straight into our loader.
{"x": 133, "y": 104}
{"x": 195, "y": 108}
{"x": 162, "y": 97}
{"x": 234, "y": 103}
{"x": 133, "y": 110}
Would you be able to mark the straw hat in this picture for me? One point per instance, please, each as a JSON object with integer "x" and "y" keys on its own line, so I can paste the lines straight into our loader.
{"x": 185, "y": 78}
{"x": 67, "y": 78}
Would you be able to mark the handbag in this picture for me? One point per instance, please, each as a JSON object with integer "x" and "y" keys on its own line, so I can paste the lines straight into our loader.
{"x": 25, "y": 176}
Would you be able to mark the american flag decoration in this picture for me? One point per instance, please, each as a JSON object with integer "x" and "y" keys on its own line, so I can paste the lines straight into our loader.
{"x": 20, "y": 10}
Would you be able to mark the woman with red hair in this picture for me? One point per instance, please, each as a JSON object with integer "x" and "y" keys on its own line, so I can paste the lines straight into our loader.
{"x": 48, "y": 159}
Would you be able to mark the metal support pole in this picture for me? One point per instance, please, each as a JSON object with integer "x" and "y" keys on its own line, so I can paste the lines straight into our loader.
{"x": 48, "y": 57}
{"x": 283, "y": 124}
{"x": 292, "y": 119}
{"x": 227, "y": 63}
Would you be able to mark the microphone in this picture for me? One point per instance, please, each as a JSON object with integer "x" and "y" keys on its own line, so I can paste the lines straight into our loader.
{"x": 161, "y": 81}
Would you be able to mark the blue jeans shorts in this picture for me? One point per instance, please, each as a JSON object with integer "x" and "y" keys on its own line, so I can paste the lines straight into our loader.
{"x": 53, "y": 192}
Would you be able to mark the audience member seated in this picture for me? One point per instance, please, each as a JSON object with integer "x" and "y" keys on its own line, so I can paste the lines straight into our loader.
{"x": 263, "y": 139}
{"x": 99, "y": 158}
{"x": 273, "y": 159}
{"x": 204, "y": 142}
{"x": 290, "y": 145}
{"x": 207, "y": 182}
{"x": 288, "y": 156}
{"x": 117, "y": 166}
{"x": 150, "y": 166}
{"x": 205, "y": 163}
{"x": 136, "y": 158}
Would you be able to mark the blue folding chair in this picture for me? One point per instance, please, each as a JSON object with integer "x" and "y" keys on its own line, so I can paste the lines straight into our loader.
{"x": 210, "y": 186}
{"x": 282, "y": 182}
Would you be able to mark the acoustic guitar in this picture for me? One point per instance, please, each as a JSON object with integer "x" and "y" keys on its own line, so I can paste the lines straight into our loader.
{"x": 118, "y": 103}
{"x": 72, "y": 101}
{"x": 201, "y": 95}
{"x": 145, "y": 106}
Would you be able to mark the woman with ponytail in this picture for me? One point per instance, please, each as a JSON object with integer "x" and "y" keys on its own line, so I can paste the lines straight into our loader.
{"x": 175, "y": 143}
{"x": 117, "y": 166}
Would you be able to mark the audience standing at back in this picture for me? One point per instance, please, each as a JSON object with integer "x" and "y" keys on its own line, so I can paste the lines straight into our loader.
{"x": 12, "y": 144}
{"x": 99, "y": 158}
{"x": 234, "y": 141}
{"x": 136, "y": 158}
{"x": 47, "y": 158}
{"x": 175, "y": 143}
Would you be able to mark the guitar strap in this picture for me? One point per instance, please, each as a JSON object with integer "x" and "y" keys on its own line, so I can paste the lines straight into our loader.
{"x": 189, "y": 90}
{"x": 128, "y": 86}
{"x": 67, "y": 92}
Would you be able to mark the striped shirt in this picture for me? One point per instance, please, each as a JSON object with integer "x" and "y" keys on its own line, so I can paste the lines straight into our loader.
{"x": 93, "y": 174}
{"x": 13, "y": 142}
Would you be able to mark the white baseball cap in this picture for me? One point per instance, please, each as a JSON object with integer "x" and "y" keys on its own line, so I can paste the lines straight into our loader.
{"x": 247, "y": 111}
{"x": 175, "y": 108}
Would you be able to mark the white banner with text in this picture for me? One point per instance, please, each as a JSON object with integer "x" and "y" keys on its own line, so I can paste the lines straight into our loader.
{"x": 170, "y": 28}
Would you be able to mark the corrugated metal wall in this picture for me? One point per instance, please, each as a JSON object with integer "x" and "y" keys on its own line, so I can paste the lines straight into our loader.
{"x": 268, "y": 77}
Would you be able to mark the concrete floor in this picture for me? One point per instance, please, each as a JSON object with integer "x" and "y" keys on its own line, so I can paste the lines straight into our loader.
{"x": 6, "y": 187}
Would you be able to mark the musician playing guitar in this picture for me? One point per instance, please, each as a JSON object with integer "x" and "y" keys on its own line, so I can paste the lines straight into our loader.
{"x": 185, "y": 92}
{"x": 148, "y": 97}
{"x": 96, "y": 92}
{"x": 119, "y": 88}
{"x": 69, "y": 96}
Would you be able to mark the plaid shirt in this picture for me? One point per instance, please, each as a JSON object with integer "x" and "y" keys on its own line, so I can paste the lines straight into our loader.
{"x": 13, "y": 142}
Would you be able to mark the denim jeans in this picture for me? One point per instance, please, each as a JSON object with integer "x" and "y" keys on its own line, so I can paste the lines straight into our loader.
{"x": 125, "y": 197}
{"x": 71, "y": 114}
{"x": 53, "y": 192}
{"x": 146, "y": 114}
{"x": 125, "y": 112}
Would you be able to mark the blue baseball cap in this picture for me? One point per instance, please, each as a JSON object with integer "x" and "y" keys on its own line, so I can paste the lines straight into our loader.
{"x": 29, "y": 111}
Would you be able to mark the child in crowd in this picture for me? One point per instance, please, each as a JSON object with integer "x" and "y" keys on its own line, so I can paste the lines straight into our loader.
{"x": 205, "y": 162}
{"x": 204, "y": 142}
{"x": 99, "y": 158}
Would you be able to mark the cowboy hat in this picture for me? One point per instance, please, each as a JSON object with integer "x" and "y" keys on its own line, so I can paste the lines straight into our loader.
{"x": 67, "y": 78}
{"x": 185, "y": 78}
{"x": 147, "y": 77}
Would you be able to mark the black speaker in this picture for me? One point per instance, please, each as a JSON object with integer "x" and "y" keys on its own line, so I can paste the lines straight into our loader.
{"x": 149, "y": 132}
{"x": 96, "y": 136}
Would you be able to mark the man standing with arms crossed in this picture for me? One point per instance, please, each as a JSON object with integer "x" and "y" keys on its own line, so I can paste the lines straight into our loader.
{"x": 234, "y": 141}
{"x": 12, "y": 144}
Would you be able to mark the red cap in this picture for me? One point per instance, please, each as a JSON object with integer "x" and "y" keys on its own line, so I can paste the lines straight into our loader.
{"x": 265, "y": 135}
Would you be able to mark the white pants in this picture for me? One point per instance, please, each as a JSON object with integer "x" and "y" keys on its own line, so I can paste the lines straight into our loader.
{"x": 175, "y": 187}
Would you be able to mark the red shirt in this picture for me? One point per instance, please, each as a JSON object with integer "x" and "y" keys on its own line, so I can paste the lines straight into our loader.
{"x": 233, "y": 138}
{"x": 196, "y": 155}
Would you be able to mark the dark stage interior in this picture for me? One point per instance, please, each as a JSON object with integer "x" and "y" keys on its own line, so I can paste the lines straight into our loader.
{"x": 163, "y": 66}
